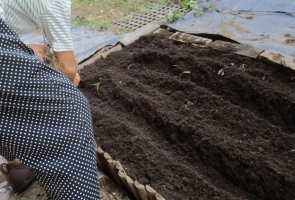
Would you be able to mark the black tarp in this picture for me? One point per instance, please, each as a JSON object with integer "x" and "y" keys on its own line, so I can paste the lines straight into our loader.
{"x": 86, "y": 41}
{"x": 266, "y": 24}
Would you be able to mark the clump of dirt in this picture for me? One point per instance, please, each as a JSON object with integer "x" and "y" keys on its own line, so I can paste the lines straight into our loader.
{"x": 289, "y": 39}
{"x": 196, "y": 135}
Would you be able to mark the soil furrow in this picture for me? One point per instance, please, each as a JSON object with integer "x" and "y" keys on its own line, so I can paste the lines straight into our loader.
{"x": 202, "y": 134}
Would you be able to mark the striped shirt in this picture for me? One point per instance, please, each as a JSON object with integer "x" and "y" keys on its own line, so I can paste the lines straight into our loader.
{"x": 52, "y": 17}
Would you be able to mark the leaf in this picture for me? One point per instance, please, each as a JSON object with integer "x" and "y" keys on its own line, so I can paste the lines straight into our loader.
{"x": 209, "y": 5}
{"x": 198, "y": 12}
{"x": 149, "y": 138}
{"x": 96, "y": 85}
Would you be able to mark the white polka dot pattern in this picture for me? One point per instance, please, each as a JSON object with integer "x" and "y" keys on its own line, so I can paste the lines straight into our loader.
{"x": 45, "y": 122}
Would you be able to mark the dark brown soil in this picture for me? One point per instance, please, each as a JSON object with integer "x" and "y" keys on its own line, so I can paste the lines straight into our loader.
{"x": 197, "y": 135}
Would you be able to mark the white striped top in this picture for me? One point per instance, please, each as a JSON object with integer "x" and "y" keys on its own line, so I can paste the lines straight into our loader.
{"x": 52, "y": 17}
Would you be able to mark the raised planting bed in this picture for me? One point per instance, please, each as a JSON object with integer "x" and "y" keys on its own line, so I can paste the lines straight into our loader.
{"x": 195, "y": 123}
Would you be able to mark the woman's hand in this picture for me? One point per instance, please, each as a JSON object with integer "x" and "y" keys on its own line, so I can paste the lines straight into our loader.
{"x": 40, "y": 50}
{"x": 76, "y": 80}
{"x": 65, "y": 61}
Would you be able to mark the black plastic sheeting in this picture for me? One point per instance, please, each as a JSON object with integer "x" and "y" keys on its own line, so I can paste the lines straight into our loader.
{"x": 86, "y": 41}
{"x": 266, "y": 24}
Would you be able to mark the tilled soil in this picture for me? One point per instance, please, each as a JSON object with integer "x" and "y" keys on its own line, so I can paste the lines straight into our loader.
{"x": 223, "y": 129}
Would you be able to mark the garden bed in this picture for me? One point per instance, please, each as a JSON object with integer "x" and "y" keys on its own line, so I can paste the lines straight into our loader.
{"x": 195, "y": 123}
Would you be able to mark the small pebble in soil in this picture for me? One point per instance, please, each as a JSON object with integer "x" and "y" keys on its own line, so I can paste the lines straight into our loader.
{"x": 197, "y": 116}
{"x": 189, "y": 104}
{"x": 133, "y": 139}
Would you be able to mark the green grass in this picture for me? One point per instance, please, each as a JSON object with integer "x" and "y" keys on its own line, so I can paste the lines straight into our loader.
{"x": 100, "y": 14}
{"x": 126, "y": 6}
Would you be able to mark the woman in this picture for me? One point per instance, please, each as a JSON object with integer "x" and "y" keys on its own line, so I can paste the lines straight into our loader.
{"x": 53, "y": 19}
{"x": 45, "y": 122}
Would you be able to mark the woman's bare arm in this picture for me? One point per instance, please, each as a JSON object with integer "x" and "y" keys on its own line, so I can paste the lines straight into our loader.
{"x": 67, "y": 63}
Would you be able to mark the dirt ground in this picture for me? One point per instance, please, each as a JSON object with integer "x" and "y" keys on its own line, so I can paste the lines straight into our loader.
{"x": 223, "y": 130}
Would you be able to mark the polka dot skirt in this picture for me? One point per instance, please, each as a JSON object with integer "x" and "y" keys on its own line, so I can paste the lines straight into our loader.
{"x": 45, "y": 122}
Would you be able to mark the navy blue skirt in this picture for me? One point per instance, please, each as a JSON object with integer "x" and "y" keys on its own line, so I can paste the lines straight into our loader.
{"x": 45, "y": 122}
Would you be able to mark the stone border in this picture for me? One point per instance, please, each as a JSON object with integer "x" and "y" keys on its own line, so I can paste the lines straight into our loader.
{"x": 113, "y": 167}
{"x": 187, "y": 38}
{"x": 240, "y": 49}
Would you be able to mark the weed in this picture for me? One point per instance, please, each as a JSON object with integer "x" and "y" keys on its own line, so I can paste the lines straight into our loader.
{"x": 100, "y": 12}
{"x": 50, "y": 59}
{"x": 198, "y": 12}
{"x": 104, "y": 25}
{"x": 189, "y": 4}
{"x": 172, "y": 16}
{"x": 209, "y": 5}
{"x": 81, "y": 21}
{"x": 159, "y": 4}
{"x": 96, "y": 85}
{"x": 149, "y": 138}
{"x": 121, "y": 31}
{"x": 194, "y": 5}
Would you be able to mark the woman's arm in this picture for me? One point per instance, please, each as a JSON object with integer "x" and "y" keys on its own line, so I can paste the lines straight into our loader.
{"x": 67, "y": 63}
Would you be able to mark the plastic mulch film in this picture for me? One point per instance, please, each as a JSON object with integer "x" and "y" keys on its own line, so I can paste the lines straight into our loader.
{"x": 86, "y": 41}
{"x": 268, "y": 24}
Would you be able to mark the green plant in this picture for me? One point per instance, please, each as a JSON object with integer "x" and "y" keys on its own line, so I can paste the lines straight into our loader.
{"x": 91, "y": 24}
{"x": 198, "y": 12}
{"x": 149, "y": 138}
{"x": 96, "y": 85}
{"x": 121, "y": 31}
{"x": 158, "y": 4}
{"x": 103, "y": 25}
{"x": 184, "y": 72}
{"x": 209, "y": 5}
{"x": 172, "y": 16}
{"x": 194, "y": 5}
{"x": 189, "y": 4}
